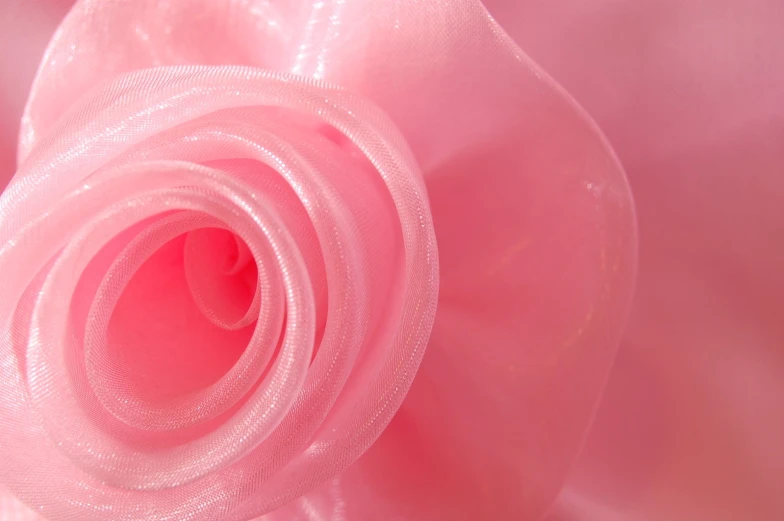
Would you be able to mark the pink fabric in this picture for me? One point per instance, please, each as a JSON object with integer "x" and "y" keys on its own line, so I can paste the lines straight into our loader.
{"x": 154, "y": 371}
{"x": 690, "y": 94}
{"x": 225, "y": 269}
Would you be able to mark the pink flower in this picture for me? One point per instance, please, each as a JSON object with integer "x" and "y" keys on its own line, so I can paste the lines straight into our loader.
{"x": 221, "y": 240}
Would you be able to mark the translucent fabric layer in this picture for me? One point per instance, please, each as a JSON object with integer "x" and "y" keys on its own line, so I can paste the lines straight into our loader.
{"x": 690, "y": 94}
{"x": 243, "y": 236}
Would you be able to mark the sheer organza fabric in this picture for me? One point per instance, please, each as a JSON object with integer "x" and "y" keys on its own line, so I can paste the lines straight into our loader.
{"x": 689, "y": 93}
{"x": 242, "y": 236}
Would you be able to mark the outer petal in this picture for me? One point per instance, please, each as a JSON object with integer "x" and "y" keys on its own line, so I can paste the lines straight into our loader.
{"x": 536, "y": 240}
{"x": 690, "y": 93}
{"x": 100, "y": 39}
{"x": 532, "y": 212}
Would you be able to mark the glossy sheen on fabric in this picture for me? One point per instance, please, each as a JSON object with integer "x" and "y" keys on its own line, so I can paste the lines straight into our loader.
{"x": 245, "y": 235}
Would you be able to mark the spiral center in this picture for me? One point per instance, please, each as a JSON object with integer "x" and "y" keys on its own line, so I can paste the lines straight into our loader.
{"x": 171, "y": 332}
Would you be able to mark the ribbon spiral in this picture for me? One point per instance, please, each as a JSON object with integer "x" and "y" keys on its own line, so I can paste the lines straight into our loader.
{"x": 224, "y": 280}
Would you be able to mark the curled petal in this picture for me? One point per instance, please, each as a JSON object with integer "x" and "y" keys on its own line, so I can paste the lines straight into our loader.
{"x": 689, "y": 93}
{"x": 537, "y": 245}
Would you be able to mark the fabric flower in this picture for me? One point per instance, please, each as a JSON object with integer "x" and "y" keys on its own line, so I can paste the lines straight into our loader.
{"x": 536, "y": 255}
